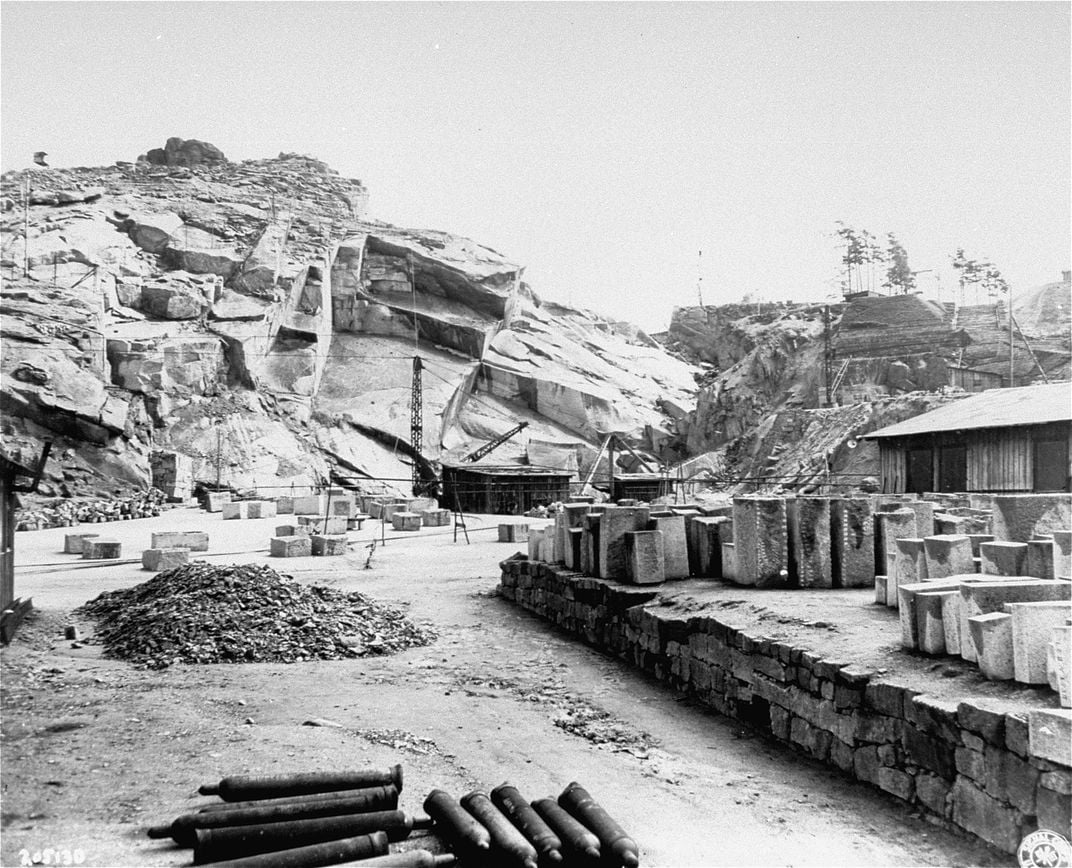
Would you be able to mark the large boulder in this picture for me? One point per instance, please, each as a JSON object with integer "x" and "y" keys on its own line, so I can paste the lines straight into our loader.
{"x": 187, "y": 364}
{"x": 184, "y": 152}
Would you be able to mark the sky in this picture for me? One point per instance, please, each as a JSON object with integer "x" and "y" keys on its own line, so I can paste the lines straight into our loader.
{"x": 601, "y": 145}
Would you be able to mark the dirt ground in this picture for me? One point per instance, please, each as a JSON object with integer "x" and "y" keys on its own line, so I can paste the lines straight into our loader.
{"x": 95, "y": 750}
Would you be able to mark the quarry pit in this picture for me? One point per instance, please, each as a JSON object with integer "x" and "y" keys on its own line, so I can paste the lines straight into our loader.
{"x": 96, "y": 750}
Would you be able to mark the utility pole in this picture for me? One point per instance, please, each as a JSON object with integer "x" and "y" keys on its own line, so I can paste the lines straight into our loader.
{"x": 219, "y": 450}
{"x": 699, "y": 278}
{"x": 1012, "y": 382}
{"x": 416, "y": 423}
{"x": 826, "y": 354}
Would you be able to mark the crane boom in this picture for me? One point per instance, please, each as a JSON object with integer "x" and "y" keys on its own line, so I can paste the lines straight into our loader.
{"x": 477, "y": 454}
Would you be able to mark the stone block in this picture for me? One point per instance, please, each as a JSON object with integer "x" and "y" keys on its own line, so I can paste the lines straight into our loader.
{"x": 1054, "y": 812}
{"x": 1040, "y": 558}
{"x": 262, "y": 509}
{"x": 951, "y": 623}
{"x": 406, "y": 521}
{"x": 101, "y": 549}
{"x": 1032, "y": 629}
{"x": 194, "y": 540}
{"x": 73, "y": 542}
{"x": 708, "y": 534}
{"x": 909, "y": 567}
{"x": 983, "y": 596}
{"x": 434, "y": 517}
{"x": 513, "y": 532}
{"x": 1020, "y": 517}
{"x": 1004, "y": 558}
{"x": 614, "y": 523}
{"x": 1062, "y": 554}
{"x": 1059, "y": 663}
{"x": 535, "y": 535}
{"x": 214, "y": 500}
{"x": 328, "y": 545}
{"x": 293, "y": 530}
{"x": 237, "y": 509}
{"x": 984, "y": 816}
{"x": 675, "y": 545}
{"x": 991, "y": 637}
{"x": 948, "y": 555}
{"x": 159, "y": 559}
{"x": 309, "y": 504}
{"x": 894, "y": 525}
{"x": 930, "y": 627}
{"x": 572, "y": 554}
{"x": 291, "y": 546}
{"x": 924, "y": 511}
{"x": 1050, "y": 735}
{"x": 852, "y": 534}
{"x": 343, "y": 506}
{"x": 388, "y": 510}
{"x": 906, "y": 605}
{"x": 590, "y": 544}
{"x": 644, "y": 557}
{"x": 881, "y": 589}
{"x": 729, "y": 561}
{"x": 811, "y": 560}
{"x": 284, "y": 505}
{"x": 760, "y": 537}
{"x": 977, "y": 540}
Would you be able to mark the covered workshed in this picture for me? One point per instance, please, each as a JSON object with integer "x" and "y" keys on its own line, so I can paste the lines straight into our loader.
{"x": 1001, "y": 440}
{"x": 502, "y": 489}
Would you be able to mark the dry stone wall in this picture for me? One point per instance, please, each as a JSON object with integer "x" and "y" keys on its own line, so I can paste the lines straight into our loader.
{"x": 967, "y": 764}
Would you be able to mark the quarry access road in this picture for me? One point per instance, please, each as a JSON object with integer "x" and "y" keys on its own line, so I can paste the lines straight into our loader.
{"x": 96, "y": 750}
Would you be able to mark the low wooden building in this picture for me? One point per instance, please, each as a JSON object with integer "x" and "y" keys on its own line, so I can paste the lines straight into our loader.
{"x": 502, "y": 489}
{"x": 1001, "y": 440}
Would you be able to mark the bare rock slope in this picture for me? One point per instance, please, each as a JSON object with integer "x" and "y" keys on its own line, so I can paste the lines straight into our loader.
{"x": 252, "y": 317}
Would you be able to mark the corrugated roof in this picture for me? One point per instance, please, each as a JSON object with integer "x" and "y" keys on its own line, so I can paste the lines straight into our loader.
{"x": 995, "y": 408}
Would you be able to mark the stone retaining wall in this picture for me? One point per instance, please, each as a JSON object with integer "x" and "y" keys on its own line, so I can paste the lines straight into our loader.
{"x": 963, "y": 764}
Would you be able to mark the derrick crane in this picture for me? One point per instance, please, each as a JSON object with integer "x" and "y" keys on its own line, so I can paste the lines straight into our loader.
{"x": 486, "y": 449}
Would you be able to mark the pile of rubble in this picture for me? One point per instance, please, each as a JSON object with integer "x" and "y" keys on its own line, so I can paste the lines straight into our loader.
{"x": 201, "y": 613}
{"x": 64, "y": 512}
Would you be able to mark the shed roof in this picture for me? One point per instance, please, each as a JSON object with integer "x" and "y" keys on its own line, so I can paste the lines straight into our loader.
{"x": 994, "y": 408}
{"x": 505, "y": 469}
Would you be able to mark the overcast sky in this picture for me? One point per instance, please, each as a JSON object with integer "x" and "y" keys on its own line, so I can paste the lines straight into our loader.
{"x": 602, "y": 145}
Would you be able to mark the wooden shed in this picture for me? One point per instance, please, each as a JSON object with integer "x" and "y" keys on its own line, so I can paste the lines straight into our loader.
{"x": 502, "y": 489}
{"x": 1001, "y": 440}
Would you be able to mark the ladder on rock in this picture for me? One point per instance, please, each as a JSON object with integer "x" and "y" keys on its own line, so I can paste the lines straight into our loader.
{"x": 839, "y": 379}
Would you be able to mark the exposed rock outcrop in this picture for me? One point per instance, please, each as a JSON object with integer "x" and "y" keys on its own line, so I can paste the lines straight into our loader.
{"x": 184, "y": 152}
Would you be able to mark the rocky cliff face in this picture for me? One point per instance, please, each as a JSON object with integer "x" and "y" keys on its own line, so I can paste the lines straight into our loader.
{"x": 252, "y": 317}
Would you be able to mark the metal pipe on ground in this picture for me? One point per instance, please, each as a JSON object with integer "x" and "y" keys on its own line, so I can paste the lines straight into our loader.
{"x": 506, "y": 840}
{"x": 578, "y": 840}
{"x": 467, "y": 836}
{"x": 182, "y": 828}
{"x": 292, "y": 800}
{"x": 315, "y": 855}
{"x": 240, "y": 787}
{"x": 216, "y": 845}
{"x": 509, "y": 800}
{"x": 615, "y": 844}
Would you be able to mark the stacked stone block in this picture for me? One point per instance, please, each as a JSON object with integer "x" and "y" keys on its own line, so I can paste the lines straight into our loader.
{"x": 760, "y": 538}
{"x": 160, "y": 559}
{"x": 73, "y": 542}
{"x": 852, "y": 533}
{"x": 194, "y": 540}
{"x": 297, "y": 546}
{"x": 1020, "y": 517}
{"x": 967, "y": 764}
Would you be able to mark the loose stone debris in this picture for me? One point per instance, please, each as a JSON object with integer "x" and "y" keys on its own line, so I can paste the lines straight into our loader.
{"x": 201, "y": 613}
